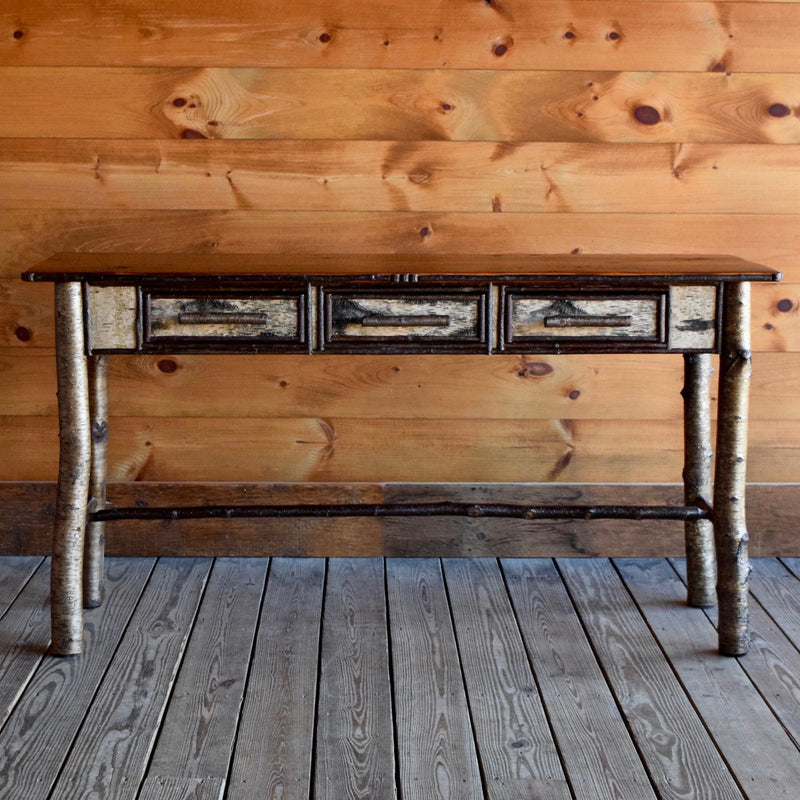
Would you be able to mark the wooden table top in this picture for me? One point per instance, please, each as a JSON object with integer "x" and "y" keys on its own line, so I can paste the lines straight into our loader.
{"x": 147, "y": 267}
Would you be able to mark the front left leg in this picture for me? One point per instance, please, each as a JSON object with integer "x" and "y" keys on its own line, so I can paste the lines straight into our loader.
{"x": 73, "y": 472}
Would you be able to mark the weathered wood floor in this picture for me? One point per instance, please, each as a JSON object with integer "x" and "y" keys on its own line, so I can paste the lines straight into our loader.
{"x": 406, "y": 679}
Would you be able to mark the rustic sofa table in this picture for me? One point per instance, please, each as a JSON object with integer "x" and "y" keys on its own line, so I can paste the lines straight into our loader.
{"x": 694, "y": 305}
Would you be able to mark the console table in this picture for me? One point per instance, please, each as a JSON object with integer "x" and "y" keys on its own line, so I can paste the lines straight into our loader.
{"x": 135, "y": 303}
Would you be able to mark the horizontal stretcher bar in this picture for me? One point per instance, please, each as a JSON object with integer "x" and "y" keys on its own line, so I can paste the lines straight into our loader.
{"x": 407, "y": 510}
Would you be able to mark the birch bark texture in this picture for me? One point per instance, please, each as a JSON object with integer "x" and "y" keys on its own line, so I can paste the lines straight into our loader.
{"x": 730, "y": 529}
{"x": 698, "y": 459}
{"x": 73, "y": 470}
{"x": 94, "y": 546}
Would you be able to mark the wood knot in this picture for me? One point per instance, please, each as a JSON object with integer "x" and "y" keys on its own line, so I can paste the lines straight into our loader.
{"x": 779, "y": 110}
{"x": 168, "y": 366}
{"x": 647, "y": 115}
{"x": 501, "y": 46}
{"x": 419, "y": 177}
{"x": 535, "y": 369}
{"x": 521, "y": 744}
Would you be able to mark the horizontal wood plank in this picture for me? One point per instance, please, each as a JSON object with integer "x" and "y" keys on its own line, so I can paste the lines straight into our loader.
{"x": 28, "y": 516}
{"x": 531, "y": 177}
{"x": 28, "y": 237}
{"x": 400, "y": 105}
{"x": 26, "y": 316}
{"x": 452, "y": 386}
{"x": 357, "y": 449}
{"x": 565, "y": 387}
{"x": 333, "y": 449}
{"x": 539, "y": 34}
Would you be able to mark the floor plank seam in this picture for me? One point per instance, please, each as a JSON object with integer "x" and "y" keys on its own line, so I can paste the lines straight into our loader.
{"x": 315, "y": 738}
{"x": 470, "y": 711}
{"x": 32, "y": 571}
{"x": 393, "y": 696}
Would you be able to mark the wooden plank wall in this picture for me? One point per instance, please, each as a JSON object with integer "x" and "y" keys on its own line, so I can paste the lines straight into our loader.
{"x": 484, "y": 126}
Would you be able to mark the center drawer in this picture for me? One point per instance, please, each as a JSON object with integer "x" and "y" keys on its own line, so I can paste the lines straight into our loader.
{"x": 386, "y": 321}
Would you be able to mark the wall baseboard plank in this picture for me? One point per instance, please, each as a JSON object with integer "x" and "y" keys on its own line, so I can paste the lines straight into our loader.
{"x": 28, "y": 507}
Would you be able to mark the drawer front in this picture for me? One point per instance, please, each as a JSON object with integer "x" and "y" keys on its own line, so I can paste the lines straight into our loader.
{"x": 635, "y": 319}
{"x": 407, "y": 322}
{"x": 225, "y": 319}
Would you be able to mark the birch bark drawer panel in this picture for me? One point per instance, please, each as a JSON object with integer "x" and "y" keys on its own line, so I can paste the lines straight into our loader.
{"x": 413, "y": 322}
{"x": 589, "y": 321}
{"x": 225, "y": 320}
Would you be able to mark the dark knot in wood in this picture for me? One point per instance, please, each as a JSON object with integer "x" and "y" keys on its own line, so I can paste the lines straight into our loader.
{"x": 647, "y": 115}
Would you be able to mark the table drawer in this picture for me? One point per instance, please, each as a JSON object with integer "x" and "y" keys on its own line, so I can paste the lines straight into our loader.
{"x": 635, "y": 319}
{"x": 407, "y": 322}
{"x": 225, "y": 319}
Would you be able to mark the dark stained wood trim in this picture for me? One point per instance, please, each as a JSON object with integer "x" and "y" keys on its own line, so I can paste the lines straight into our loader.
{"x": 139, "y": 268}
{"x": 25, "y": 525}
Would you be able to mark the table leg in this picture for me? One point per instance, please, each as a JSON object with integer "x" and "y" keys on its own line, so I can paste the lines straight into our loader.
{"x": 95, "y": 534}
{"x": 73, "y": 471}
{"x": 730, "y": 531}
{"x": 698, "y": 458}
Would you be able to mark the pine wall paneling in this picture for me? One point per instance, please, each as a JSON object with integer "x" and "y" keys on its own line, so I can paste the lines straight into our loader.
{"x": 478, "y": 126}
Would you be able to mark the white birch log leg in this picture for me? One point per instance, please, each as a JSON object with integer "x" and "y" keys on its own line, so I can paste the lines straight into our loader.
{"x": 95, "y": 533}
{"x": 73, "y": 472}
{"x": 730, "y": 531}
{"x": 698, "y": 458}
